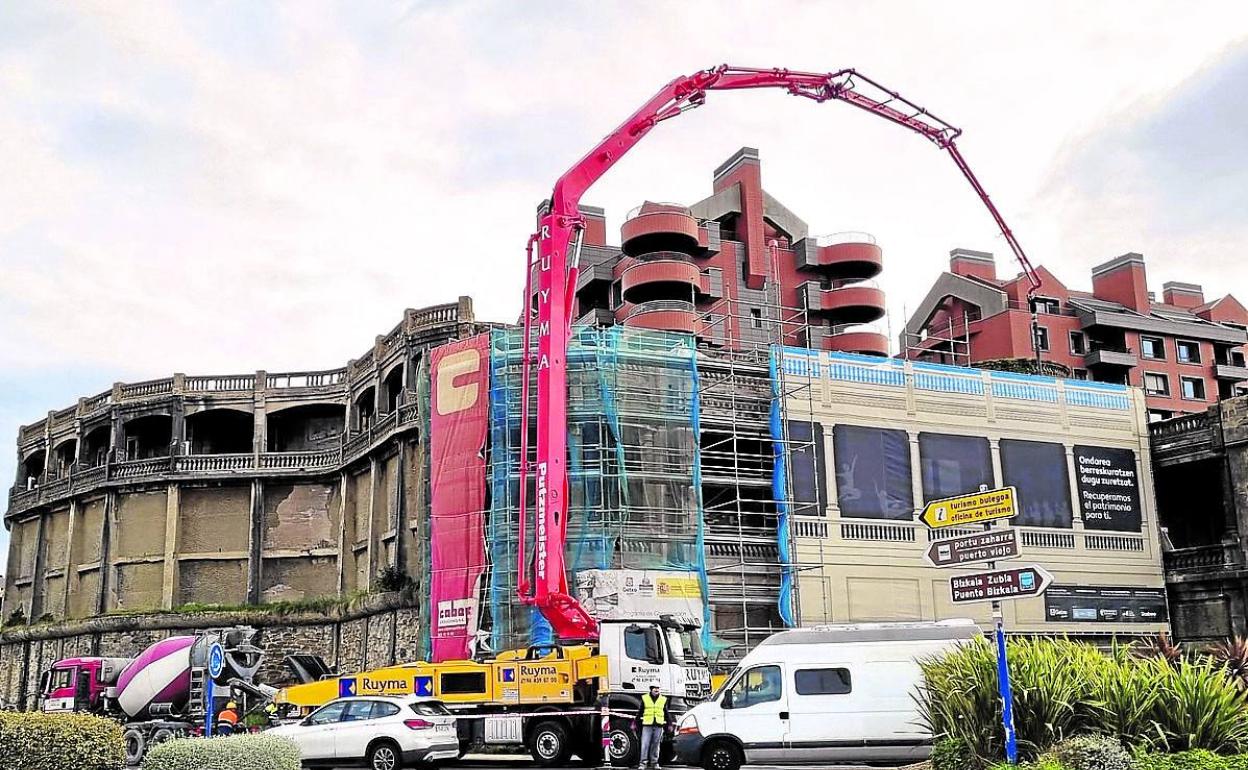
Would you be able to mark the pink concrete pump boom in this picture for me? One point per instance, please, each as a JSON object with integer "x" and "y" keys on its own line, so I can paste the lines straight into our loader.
{"x": 560, "y": 231}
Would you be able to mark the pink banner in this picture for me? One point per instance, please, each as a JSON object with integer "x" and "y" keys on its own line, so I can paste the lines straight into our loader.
{"x": 458, "y": 426}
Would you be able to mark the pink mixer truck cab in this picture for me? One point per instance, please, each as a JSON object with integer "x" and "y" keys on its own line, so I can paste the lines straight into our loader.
{"x": 78, "y": 684}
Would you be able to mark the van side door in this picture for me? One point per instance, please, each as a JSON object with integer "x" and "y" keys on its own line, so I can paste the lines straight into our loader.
{"x": 827, "y": 722}
{"x": 756, "y": 710}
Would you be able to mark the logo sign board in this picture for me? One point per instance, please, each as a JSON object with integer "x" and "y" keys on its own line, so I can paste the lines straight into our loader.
{"x": 1018, "y": 583}
{"x": 216, "y": 661}
{"x": 993, "y": 545}
{"x": 383, "y": 684}
{"x": 975, "y": 508}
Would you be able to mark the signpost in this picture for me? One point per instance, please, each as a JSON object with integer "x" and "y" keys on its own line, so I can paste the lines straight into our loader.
{"x": 1018, "y": 583}
{"x": 989, "y": 545}
{"x": 216, "y": 666}
{"x": 977, "y": 508}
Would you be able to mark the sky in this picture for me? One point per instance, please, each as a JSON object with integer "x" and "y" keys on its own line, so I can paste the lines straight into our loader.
{"x": 218, "y": 187}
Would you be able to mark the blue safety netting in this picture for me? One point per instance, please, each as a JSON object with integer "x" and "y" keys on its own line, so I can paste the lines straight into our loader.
{"x": 635, "y": 496}
{"x": 780, "y": 490}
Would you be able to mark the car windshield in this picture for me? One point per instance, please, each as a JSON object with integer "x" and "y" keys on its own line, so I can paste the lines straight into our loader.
{"x": 728, "y": 680}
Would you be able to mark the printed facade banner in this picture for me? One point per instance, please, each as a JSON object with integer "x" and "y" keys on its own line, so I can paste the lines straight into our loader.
{"x": 1109, "y": 489}
{"x": 459, "y": 415}
{"x": 631, "y": 594}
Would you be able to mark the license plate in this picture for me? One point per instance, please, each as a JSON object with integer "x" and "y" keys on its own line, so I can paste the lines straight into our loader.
{"x": 442, "y": 728}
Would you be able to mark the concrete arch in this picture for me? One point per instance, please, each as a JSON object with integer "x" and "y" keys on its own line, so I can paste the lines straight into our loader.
{"x": 305, "y": 427}
{"x": 220, "y": 431}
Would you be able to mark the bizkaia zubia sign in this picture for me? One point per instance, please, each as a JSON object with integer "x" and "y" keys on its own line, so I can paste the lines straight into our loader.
{"x": 1108, "y": 484}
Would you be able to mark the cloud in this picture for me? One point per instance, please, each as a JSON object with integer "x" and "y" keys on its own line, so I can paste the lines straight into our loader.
{"x": 1167, "y": 177}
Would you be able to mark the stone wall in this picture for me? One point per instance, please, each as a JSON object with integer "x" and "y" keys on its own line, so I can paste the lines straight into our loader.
{"x": 377, "y": 630}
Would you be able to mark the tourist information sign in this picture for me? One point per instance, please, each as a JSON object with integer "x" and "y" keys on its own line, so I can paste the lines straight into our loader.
{"x": 998, "y": 585}
{"x": 975, "y": 508}
{"x": 989, "y": 545}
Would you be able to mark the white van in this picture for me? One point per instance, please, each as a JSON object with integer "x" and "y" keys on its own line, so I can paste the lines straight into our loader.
{"x": 824, "y": 694}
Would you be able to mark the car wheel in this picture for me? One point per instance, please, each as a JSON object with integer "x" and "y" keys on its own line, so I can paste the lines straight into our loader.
{"x": 548, "y": 743}
{"x": 624, "y": 744}
{"x": 136, "y": 746}
{"x": 384, "y": 755}
{"x": 721, "y": 755}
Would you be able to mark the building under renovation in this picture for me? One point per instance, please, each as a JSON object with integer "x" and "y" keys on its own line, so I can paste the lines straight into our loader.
{"x": 733, "y": 418}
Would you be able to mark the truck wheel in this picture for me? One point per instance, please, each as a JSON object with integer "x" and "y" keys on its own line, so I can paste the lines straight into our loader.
{"x": 162, "y": 735}
{"x": 625, "y": 744}
{"x": 136, "y": 746}
{"x": 549, "y": 745}
{"x": 721, "y": 755}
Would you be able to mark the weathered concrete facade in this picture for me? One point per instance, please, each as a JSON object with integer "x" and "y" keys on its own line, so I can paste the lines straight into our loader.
{"x": 232, "y": 489}
{"x": 1202, "y": 494}
{"x": 377, "y": 630}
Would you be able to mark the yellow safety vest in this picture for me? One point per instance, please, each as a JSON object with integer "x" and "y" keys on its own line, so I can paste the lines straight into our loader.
{"x": 652, "y": 710}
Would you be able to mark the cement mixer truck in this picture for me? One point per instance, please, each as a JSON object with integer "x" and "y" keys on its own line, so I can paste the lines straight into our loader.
{"x": 161, "y": 693}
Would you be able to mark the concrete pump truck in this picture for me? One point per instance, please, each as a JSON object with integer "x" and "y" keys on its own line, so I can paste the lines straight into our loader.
{"x": 579, "y": 695}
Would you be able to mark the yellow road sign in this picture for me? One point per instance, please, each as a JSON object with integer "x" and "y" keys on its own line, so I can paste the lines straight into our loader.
{"x": 975, "y": 508}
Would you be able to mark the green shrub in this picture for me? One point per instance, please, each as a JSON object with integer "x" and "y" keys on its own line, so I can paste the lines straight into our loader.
{"x": 35, "y": 741}
{"x": 1092, "y": 752}
{"x": 1197, "y": 759}
{"x": 235, "y": 752}
{"x": 953, "y": 754}
{"x": 1064, "y": 689}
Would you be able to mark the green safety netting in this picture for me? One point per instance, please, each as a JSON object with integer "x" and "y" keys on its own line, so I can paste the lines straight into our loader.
{"x": 635, "y": 497}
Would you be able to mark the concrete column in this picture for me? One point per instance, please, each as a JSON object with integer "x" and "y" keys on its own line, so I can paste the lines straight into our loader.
{"x": 398, "y": 517}
{"x": 994, "y": 452}
{"x": 106, "y": 546}
{"x": 916, "y": 473}
{"x": 177, "y": 425}
{"x": 10, "y": 596}
{"x": 118, "y": 439}
{"x": 374, "y": 537}
{"x": 260, "y": 427}
{"x": 38, "y": 583}
{"x": 71, "y": 569}
{"x": 344, "y": 554}
{"x": 1072, "y": 485}
{"x": 829, "y": 453}
{"x": 169, "y": 586}
{"x": 255, "y": 542}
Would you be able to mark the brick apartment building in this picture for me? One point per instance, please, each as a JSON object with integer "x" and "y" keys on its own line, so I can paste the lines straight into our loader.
{"x": 1184, "y": 351}
{"x": 708, "y": 269}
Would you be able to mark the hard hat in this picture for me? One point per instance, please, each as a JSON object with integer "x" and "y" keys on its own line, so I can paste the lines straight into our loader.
{"x": 231, "y": 705}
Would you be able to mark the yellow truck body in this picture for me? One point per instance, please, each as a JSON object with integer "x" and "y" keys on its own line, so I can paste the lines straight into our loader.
{"x": 513, "y": 678}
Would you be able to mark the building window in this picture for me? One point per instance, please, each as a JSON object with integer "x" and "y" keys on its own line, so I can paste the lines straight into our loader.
{"x": 1038, "y": 470}
{"x": 873, "y": 476}
{"x": 756, "y": 318}
{"x": 1079, "y": 374}
{"x": 1042, "y": 339}
{"x": 1156, "y": 384}
{"x": 617, "y": 295}
{"x": 1193, "y": 388}
{"x": 1153, "y": 347}
{"x": 1046, "y": 305}
{"x": 1187, "y": 352}
{"x": 1078, "y": 343}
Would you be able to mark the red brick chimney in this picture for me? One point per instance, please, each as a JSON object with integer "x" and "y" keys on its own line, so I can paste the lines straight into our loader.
{"x": 1185, "y": 295}
{"x": 977, "y": 264}
{"x": 744, "y": 169}
{"x": 1124, "y": 281}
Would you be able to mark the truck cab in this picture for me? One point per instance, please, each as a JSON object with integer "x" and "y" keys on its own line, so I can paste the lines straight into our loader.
{"x": 667, "y": 653}
{"x": 79, "y": 684}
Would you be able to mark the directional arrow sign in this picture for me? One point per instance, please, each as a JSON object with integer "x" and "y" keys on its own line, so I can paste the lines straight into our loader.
{"x": 1003, "y": 584}
{"x": 975, "y": 508}
{"x": 992, "y": 545}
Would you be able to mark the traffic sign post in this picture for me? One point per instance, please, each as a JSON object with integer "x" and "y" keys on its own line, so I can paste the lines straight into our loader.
{"x": 976, "y": 508}
{"x": 984, "y": 507}
{"x": 216, "y": 666}
{"x": 991, "y": 545}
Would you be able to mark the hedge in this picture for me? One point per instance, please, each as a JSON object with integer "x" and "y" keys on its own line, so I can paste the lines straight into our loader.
{"x": 235, "y": 752}
{"x": 32, "y": 740}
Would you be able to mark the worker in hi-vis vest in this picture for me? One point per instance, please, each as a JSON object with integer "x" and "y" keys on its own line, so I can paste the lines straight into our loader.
{"x": 654, "y": 719}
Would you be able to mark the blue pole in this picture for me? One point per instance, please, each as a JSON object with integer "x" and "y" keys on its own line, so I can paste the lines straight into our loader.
{"x": 1007, "y": 695}
{"x": 209, "y": 696}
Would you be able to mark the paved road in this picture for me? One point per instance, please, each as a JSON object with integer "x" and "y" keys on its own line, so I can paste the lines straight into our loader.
{"x": 472, "y": 762}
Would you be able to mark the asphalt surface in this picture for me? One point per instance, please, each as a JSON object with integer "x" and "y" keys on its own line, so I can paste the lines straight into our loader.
{"x": 478, "y": 762}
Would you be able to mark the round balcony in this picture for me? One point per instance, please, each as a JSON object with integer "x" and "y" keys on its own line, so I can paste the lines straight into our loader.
{"x": 862, "y": 340}
{"x": 659, "y": 279}
{"x": 846, "y": 256}
{"x": 659, "y": 227}
{"x": 852, "y": 304}
{"x": 664, "y": 315}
